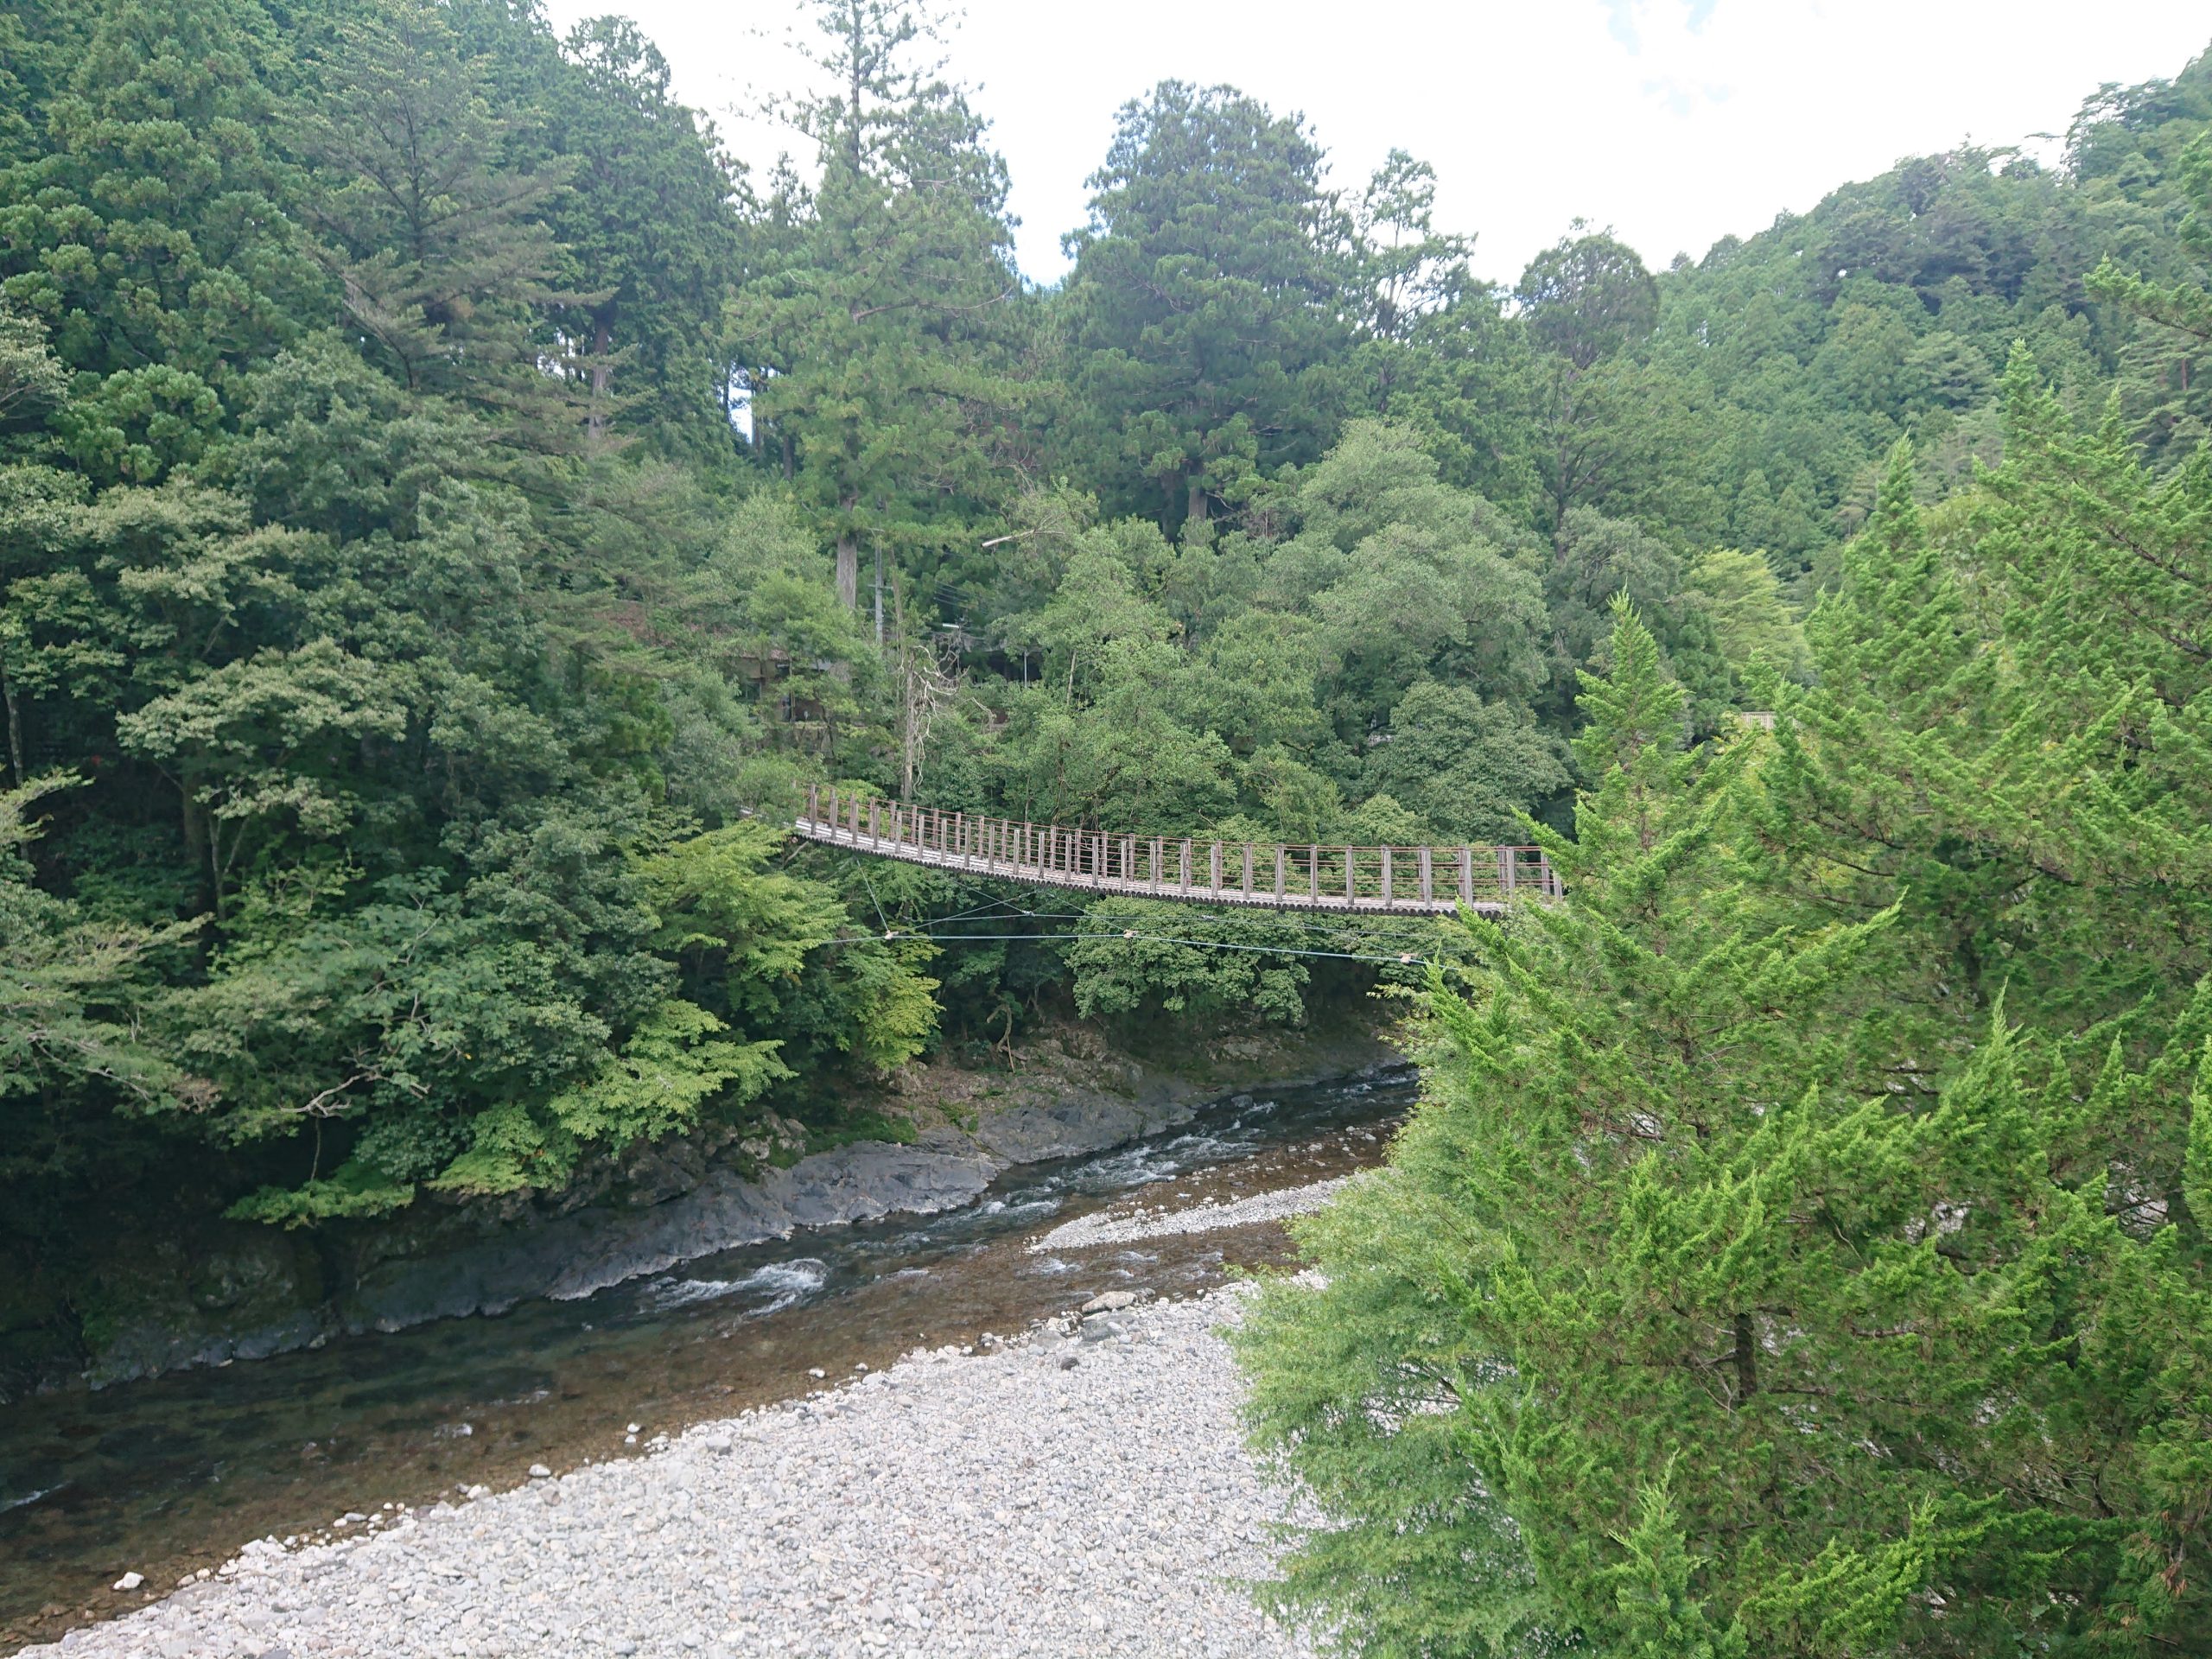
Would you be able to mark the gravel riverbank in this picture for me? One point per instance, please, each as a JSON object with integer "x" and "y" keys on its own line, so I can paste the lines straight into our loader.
{"x": 1063, "y": 1494}
{"x": 1127, "y": 1227}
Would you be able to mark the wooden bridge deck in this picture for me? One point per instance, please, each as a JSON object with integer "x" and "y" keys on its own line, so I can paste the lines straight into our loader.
{"x": 1359, "y": 880}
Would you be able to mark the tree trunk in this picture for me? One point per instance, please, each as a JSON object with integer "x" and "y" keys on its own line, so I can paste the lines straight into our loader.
{"x": 601, "y": 338}
{"x": 1747, "y": 1359}
{"x": 197, "y": 852}
{"x": 1197, "y": 511}
{"x": 849, "y": 572}
{"x": 16, "y": 779}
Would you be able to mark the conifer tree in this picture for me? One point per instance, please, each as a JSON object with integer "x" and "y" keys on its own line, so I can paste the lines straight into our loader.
{"x": 441, "y": 247}
{"x": 878, "y": 333}
{"x": 1206, "y": 304}
{"x": 1710, "y": 1304}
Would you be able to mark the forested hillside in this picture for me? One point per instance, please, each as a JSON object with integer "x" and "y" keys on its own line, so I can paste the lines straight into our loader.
{"x": 450, "y": 506}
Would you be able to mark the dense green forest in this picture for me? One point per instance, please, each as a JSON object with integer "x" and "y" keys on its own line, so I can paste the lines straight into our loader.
{"x": 450, "y": 508}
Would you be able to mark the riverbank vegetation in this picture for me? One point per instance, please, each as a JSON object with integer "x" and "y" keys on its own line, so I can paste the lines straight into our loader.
{"x": 450, "y": 506}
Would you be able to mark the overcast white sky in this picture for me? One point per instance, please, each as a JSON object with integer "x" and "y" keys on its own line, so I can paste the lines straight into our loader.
{"x": 1676, "y": 122}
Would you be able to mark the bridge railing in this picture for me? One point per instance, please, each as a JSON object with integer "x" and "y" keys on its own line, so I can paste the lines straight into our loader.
{"x": 1429, "y": 877}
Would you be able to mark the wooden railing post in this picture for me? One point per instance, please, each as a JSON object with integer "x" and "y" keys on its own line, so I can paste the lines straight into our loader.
{"x": 1158, "y": 858}
{"x": 1278, "y": 861}
{"x": 1467, "y": 875}
{"x": 1186, "y": 863}
{"x": 1248, "y": 869}
{"x": 1427, "y": 878}
{"x": 1388, "y": 897}
{"x": 833, "y": 806}
{"x": 1352, "y": 878}
{"x": 1213, "y": 866}
{"x": 1313, "y": 873}
{"x": 1505, "y": 873}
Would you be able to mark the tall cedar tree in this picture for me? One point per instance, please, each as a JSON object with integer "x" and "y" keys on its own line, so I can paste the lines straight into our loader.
{"x": 879, "y": 333}
{"x": 1205, "y": 311}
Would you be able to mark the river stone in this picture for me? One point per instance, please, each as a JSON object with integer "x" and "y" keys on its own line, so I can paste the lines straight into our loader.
{"x": 198, "y": 1297}
{"x": 589, "y": 1250}
{"x": 1077, "y": 1124}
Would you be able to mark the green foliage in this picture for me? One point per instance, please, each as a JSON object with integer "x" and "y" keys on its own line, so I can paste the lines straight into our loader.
{"x": 876, "y": 335}
{"x": 1589, "y": 298}
{"x": 1154, "y": 958}
{"x": 1202, "y": 319}
{"x": 1750, "y": 1280}
{"x": 673, "y": 1063}
{"x": 1470, "y": 769}
{"x": 72, "y": 989}
{"x": 1751, "y": 622}
{"x": 415, "y": 713}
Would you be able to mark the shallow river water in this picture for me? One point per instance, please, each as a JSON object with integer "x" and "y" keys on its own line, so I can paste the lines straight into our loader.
{"x": 167, "y": 1475}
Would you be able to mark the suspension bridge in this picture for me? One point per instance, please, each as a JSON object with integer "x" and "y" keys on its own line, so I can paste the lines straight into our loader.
{"x": 1357, "y": 880}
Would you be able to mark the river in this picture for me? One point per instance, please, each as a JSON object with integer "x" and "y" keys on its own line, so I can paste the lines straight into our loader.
{"x": 169, "y": 1474}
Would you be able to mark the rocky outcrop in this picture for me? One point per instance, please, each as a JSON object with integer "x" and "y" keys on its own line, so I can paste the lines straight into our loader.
{"x": 235, "y": 1292}
{"x": 589, "y": 1250}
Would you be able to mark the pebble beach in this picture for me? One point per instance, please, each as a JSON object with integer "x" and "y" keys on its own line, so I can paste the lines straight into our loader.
{"x": 1082, "y": 1489}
